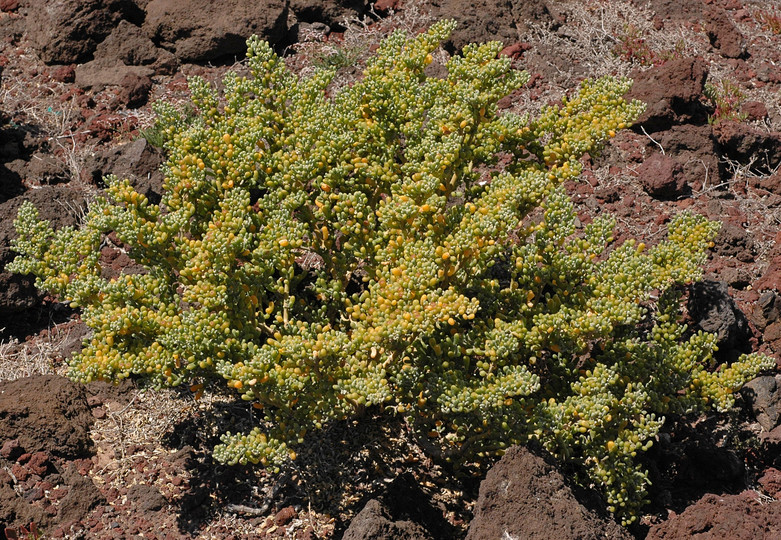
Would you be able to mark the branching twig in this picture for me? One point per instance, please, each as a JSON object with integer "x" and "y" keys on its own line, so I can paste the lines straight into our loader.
{"x": 652, "y": 139}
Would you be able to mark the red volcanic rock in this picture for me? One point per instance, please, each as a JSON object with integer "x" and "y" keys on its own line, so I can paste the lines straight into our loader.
{"x": 525, "y": 496}
{"x": 723, "y": 35}
{"x": 672, "y": 92}
{"x": 9, "y": 5}
{"x": 134, "y": 90}
{"x": 203, "y": 30}
{"x": 737, "y": 517}
{"x": 754, "y": 110}
{"x": 740, "y": 142}
{"x": 46, "y": 413}
{"x": 662, "y": 177}
{"x": 771, "y": 482}
{"x": 68, "y": 31}
{"x": 65, "y": 74}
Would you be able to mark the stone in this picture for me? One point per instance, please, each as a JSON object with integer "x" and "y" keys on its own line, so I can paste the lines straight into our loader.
{"x": 525, "y": 496}
{"x": 65, "y": 74}
{"x": 146, "y": 498}
{"x": 696, "y": 150}
{"x": 101, "y": 72}
{"x": 202, "y": 30}
{"x": 713, "y": 310}
{"x": 11, "y": 449}
{"x": 771, "y": 482}
{"x": 754, "y": 110}
{"x": 764, "y": 395}
{"x": 45, "y": 168}
{"x": 490, "y": 20}
{"x": 375, "y": 522}
{"x": 743, "y": 143}
{"x": 68, "y": 31}
{"x": 128, "y": 44}
{"x": 737, "y": 517}
{"x": 672, "y": 92}
{"x": 134, "y": 90}
{"x": 723, "y": 35}
{"x": 662, "y": 177}
{"x": 403, "y": 511}
{"x": 285, "y": 516}
{"x": 9, "y": 5}
{"x": 46, "y": 413}
{"x": 138, "y": 161}
{"x": 734, "y": 241}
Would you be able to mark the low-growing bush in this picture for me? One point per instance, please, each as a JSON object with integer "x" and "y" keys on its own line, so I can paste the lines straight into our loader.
{"x": 726, "y": 99}
{"x": 399, "y": 244}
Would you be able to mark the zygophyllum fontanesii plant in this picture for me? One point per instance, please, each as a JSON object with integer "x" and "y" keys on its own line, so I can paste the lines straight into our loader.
{"x": 326, "y": 253}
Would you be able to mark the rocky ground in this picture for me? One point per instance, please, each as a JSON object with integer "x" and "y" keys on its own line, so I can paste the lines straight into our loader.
{"x": 98, "y": 461}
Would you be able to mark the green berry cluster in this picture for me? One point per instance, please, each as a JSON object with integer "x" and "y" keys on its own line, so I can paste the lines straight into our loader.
{"x": 399, "y": 244}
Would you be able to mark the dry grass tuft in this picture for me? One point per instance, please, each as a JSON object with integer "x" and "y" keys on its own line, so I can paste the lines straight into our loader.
{"x": 38, "y": 356}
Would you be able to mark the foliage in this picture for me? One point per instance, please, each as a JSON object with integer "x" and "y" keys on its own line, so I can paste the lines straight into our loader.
{"x": 153, "y": 136}
{"x": 154, "y": 133}
{"x": 324, "y": 254}
{"x": 770, "y": 18}
{"x": 337, "y": 57}
{"x": 632, "y": 46}
{"x": 726, "y": 99}
{"x": 29, "y": 532}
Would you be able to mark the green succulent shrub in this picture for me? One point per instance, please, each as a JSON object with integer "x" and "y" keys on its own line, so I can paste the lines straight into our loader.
{"x": 398, "y": 245}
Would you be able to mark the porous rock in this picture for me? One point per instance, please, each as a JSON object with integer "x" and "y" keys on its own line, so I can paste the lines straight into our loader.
{"x": 128, "y": 44}
{"x": 134, "y": 90}
{"x": 764, "y": 395}
{"x": 695, "y": 148}
{"x": 672, "y": 9}
{"x": 10, "y": 183}
{"x": 672, "y": 93}
{"x": 723, "y": 35}
{"x": 146, "y": 498}
{"x": 44, "y": 168}
{"x": 82, "y": 496}
{"x": 202, "y": 30}
{"x": 375, "y": 522}
{"x": 771, "y": 183}
{"x": 771, "y": 279}
{"x": 771, "y": 482}
{"x": 734, "y": 241}
{"x": 46, "y": 413}
{"x": 714, "y": 310}
{"x": 68, "y": 31}
{"x": 403, "y": 511}
{"x": 662, "y": 177}
{"x": 101, "y": 72}
{"x": 754, "y": 110}
{"x": 743, "y": 143}
{"x": 65, "y": 74}
{"x": 9, "y": 5}
{"x": 525, "y": 496}
{"x": 328, "y": 12}
{"x": 137, "y": 161}
{"x": 737, "y": 517}
{"x": 490, "y": 20}
{"x": 14, "y": 510}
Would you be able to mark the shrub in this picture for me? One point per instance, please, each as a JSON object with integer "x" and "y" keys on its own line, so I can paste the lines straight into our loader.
{"x": 726, "y": 99}
{"x": 397, "y": 245}
{"x": 632, "y": 46}
{"x": 770, "y": 18}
